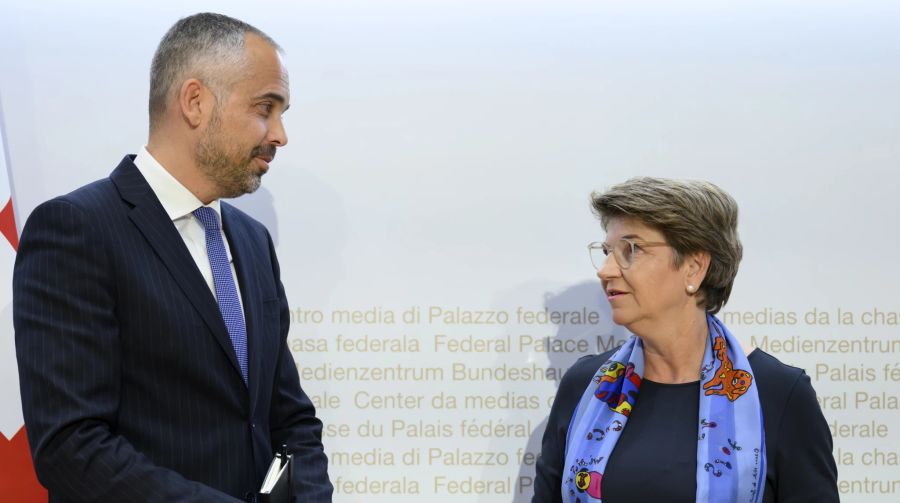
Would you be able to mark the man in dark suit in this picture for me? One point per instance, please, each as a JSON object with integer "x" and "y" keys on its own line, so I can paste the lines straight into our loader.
{"x": 150, "y": 319}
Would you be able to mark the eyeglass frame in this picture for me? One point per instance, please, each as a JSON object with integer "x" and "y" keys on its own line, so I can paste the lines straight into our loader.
{"x": 606, "y": 248}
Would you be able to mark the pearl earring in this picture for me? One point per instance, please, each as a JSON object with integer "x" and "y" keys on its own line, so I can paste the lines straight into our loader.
{"x": 690, "y": 288}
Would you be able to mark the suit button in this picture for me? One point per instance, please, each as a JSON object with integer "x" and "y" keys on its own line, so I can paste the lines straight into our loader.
{"x": 253, "y": 425}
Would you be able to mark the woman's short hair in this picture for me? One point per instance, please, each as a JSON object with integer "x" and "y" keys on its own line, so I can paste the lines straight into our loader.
{"x": 694, "y": 216}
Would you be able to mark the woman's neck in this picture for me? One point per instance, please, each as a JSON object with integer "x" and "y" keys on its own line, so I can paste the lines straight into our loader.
{"x": 673, "y": 353}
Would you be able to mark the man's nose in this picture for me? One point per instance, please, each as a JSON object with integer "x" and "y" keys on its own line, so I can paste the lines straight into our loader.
{"x": 277, "y": 134}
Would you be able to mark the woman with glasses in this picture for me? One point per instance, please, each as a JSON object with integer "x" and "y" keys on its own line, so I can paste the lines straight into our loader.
{"x": 679, "y": 413}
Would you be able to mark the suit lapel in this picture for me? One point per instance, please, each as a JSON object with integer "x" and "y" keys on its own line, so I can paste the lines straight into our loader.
{"x": 245, "y": 260}
{"x": 151, "y": 219}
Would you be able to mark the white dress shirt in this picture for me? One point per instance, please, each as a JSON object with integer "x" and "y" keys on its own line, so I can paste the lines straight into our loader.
{"x": 179, "y": 204}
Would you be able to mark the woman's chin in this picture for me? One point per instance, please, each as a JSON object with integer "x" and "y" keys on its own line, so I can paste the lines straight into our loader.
{"x": 621, "y": 317}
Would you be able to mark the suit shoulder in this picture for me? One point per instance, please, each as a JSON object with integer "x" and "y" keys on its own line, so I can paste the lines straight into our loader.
{"x": 93, "y": 198}
{"x": 767, "y": 367}
{"x": 776, "y": 381}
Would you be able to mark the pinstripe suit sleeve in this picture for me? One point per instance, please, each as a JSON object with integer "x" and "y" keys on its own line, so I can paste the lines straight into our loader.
{"x": 67, "y": 347}
{"x": 293, "y": 417}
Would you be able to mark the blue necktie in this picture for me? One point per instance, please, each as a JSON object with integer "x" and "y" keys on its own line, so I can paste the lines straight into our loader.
{"x": 226, "y": 292}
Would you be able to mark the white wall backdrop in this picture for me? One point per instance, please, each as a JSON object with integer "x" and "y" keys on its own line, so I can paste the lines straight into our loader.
{"x": 442, "y": 153}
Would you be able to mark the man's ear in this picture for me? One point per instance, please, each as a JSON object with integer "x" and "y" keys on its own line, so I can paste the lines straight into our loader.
{"x": 194, "y": 101}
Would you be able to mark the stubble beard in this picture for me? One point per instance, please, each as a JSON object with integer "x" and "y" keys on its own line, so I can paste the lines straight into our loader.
{"x": 220, "y": 159}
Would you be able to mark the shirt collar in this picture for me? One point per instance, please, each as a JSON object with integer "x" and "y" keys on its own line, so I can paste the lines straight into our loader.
{"x": 176, "y": 199}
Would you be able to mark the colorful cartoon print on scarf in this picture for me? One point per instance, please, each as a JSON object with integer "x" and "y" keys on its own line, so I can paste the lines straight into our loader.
{"x": 618, "y": 386}
{"x": 734, "y": 382}
{"x": 730, "y": 441}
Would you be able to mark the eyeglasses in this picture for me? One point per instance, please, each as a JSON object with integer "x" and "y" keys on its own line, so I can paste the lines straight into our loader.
{"x": 625, "y": 251}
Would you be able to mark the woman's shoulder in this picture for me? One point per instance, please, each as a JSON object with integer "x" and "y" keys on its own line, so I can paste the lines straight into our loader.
{"x": 769, "y": 369}
{"x": 583, "y": 370}
{"x": 573, "y": 384}
{"x": 778, "y": 383}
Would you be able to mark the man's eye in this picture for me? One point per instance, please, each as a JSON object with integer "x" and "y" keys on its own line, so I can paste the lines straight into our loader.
{"x": 265, "y": 108}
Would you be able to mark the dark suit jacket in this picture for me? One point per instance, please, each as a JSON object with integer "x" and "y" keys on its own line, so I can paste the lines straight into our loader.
{"x": 799, "y": 465}
{"x": 130, "y": 386}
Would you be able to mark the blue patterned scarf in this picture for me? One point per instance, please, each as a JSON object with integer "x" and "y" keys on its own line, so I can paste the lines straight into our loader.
{"x": 731, "y": 454}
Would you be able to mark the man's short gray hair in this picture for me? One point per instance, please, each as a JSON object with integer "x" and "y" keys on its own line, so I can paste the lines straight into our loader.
{"x": 206, "y": 46}
{"x": 693, "y": 215}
